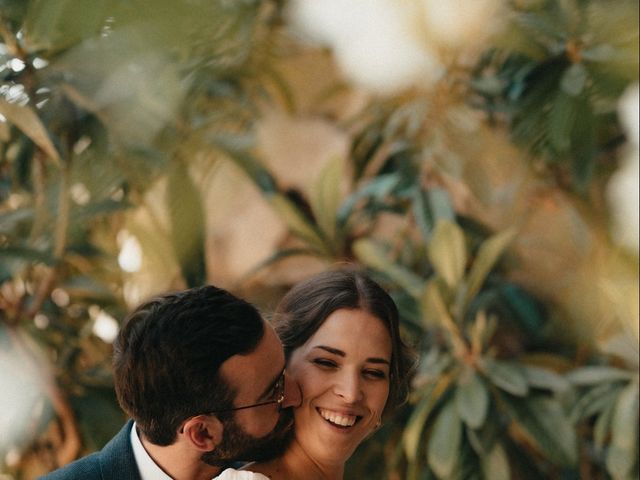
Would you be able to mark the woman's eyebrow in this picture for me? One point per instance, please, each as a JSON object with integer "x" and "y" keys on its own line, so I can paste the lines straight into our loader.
{"x": 340, "y": 353}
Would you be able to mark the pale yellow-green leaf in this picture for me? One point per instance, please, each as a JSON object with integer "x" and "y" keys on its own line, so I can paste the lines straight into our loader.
{"x": 488, "y": 255}
{"x": 433, "y": 305}
{"x": 25, "y": 119}
{"x": 325, "y": 196}
{"x": 623, "y": 450}
{"x": 495, "y": 465}
{"x": 297, "y": 222}
{"x": 375, "y": 256}
{"x": 413, "y": 433}
{"x": 443, "y": 449}
{"x": 447, "y": 252}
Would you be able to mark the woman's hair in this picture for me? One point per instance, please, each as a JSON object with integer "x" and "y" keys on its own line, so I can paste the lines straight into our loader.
{"x": 303, "y": 310}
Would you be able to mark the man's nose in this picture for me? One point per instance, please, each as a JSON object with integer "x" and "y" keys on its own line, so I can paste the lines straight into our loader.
{"x": 292, "y": 393}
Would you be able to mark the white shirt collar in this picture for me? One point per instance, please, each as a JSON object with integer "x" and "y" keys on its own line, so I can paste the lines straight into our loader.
{"x": 148, "y": 469}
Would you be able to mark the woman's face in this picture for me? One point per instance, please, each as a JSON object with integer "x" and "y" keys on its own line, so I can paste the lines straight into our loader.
{"x": 343, "y": 372}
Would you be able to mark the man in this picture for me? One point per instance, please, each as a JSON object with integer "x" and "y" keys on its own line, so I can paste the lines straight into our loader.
{"x": 201, "y": 374}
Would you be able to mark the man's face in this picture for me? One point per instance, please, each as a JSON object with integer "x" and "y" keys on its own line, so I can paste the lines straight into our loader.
{"x": 260, "y": 432}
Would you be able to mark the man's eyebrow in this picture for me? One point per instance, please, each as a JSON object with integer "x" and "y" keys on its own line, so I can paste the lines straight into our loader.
{"x": 340, "y": 353}
{"x": 267, "y": 391}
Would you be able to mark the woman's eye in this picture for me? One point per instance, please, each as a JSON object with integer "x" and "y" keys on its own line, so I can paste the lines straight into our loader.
{"x": 323, "y": 362}
{"x": 376, "y": 374}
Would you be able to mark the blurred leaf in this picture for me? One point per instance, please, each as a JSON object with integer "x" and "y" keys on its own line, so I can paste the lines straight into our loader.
{"x": 510, "y": 377}
{"x": 247, "y": 162}
{"x": 472, "y": 399}
{"x": 574, "y": 79}
{"x": 97, "y": 209}
{"x": 298, "y": 223}
{"x": 25, "y": 119}
{"x": 562, "y": 117}
{"x": 375, "y": 256}
{"x": 53, "y": 25}
{"x": 325, "y": 196}
{"x": 187, "y": 224}
{"x": 602, "y": 426}
{"x": 543, "y": 378}
{"x": 595, "y": 400}
{"x": 623, "y": 450}
{"x": 592, "y": 375}
{"x": 444, "y": 443}
{"x": 412, "y": 434}
{"x": 546, "y": 426}
{"x": 429, "y": 206}
{"x": 489, "y": 253}
{"x": 495, "y": 465}
{"x": 27, "y": 254}
{"x": 377, "y": 189}
{"x": 10, "y": 220}
{"x": 447, "y": 252}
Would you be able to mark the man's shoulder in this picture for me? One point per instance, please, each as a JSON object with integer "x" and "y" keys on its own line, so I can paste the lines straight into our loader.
{"x": 84, "y": 468}
{"x": 114, "y": 462}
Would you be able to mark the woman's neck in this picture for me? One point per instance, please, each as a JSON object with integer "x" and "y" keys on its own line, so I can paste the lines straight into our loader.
{"x": 297, "y": 464}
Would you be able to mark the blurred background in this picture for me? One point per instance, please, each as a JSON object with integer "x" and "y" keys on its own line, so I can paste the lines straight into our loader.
{"x": 478, "y": 157}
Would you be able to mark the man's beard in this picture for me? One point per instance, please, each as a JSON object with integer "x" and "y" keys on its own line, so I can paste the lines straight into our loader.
{"x": 239, "y": 446}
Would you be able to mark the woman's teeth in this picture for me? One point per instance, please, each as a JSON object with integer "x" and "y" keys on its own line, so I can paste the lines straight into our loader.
{"x": 337, "y": 418}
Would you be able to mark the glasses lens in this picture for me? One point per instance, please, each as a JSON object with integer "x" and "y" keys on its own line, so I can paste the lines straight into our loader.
{"x": 280, "y": 389}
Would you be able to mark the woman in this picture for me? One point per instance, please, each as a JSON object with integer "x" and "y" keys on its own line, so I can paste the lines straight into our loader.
{"x": 341, "y": 337}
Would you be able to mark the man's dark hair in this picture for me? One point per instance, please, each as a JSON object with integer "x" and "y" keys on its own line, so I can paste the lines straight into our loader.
{"x": 168, "y": 355}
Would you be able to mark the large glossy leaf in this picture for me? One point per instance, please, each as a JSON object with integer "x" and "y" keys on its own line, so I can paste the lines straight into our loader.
{"x": 595, "y": 400}
{"x": 510, "y": 377}
{"x": 472, "y": 399}
{"x": 375, "y": 256}
{"x": 447, "y": 252}
{"x": 376, "y": 189}
{"x": 25, "y": 119}
{"x": 443, "y": 446}
{"x": 623, "y": 450}
{"x": 488, "y": 255}
{"x": 325, "y": 196}
{"x": 543, "y": 422}
{"x": 429, "y": 206}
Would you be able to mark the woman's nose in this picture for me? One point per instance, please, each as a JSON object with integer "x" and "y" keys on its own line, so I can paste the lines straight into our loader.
{"x": 348, "y": 387}
{"x": 292, "y": 393}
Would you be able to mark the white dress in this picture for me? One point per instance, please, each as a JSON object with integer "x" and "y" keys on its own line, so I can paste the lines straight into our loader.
{"x": 232, "y": 474}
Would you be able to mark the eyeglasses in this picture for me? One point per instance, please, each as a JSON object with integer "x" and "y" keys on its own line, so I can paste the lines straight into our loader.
{"x": 277, "y": 397}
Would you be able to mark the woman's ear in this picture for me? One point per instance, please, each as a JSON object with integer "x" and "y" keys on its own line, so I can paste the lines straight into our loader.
{"x": 204, "y": 432}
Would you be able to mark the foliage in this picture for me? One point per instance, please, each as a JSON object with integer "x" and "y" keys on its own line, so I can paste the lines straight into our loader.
{"x": 106, "y": 105}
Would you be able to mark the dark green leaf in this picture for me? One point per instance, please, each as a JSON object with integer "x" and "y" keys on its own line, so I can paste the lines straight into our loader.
{"x": 593, "y": 375}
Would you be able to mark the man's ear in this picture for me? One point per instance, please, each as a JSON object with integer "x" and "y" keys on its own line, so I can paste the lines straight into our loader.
{"x": 203, "y": 431}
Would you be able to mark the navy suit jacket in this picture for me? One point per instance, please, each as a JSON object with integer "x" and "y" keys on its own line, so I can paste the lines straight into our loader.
{"x": 114, "y": 462}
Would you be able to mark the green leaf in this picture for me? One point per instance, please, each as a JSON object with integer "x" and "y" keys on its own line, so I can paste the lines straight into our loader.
{"x": 443, "y": 448}
{"x": 593, "y": 375}
{"x": 325, "y": 196}
{"x": 378, "y": 188}
{"x": 543, "y": 378}
{"x": 623, "y": 450}
{"x": 298, "y": 223}
{"x": 574, "y": 79}
{"x": 187, "y": 224}
{"x": 25, "y": 119}
{"x": 447, "y": 252}
{"x": 546, "y": 426}
{"x": 602, "y": 426}
{"x": 495, "y": 465}
{"x": 488, "y": 255}
{"x": 561, "y": 120}
{"x": 595, "y": 400}
{"x": 429, "y": 206}
{"x": 375, "y": 256}
{"x": 472, "y": 399}
{"x": 27, "y": 254}
{"x": 510, "y": 377}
